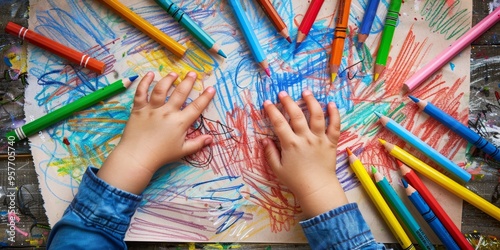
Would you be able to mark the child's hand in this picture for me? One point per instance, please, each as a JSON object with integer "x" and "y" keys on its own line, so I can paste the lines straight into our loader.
{"x": 156, "y": 132}
{"x": 307, "y": 161}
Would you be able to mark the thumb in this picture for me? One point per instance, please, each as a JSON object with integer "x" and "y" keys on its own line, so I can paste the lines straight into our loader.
{"x": 272, "y": 154}
{"x": 194, "y": 145}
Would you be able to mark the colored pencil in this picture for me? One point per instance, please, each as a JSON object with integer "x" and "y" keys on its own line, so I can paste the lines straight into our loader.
{"x": 391, "y": 20}
{"x": 275, "y": 18}
{"x": 451, "y": 51}
{"x": 339, "y": 35}
{"x": 191, "y": 26}
{"x": 401, "y": 210}
{"x": 366, "y": 24}
{"x": 429, "y": 216}
{"x": 442, "y": 180}
{"x": 308, "y": 20}
{"x": 379, "y": 202}
{"x": 146, "y": 27}
{"x": 454, "y": 170}
{"x": 412, "y": 178}
{"x": 54, "y": 47}
{"x": 457, "y": 127}
{"x": 68, "y": 110}
{"x": 249, "y": 35}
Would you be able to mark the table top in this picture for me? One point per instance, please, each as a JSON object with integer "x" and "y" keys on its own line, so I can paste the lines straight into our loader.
{"x": 483, "y": 118}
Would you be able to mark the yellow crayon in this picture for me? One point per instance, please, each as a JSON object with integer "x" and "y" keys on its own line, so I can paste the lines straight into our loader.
{"x": 377, "y": 199}
{"x": 146, "y": 27}
{"x": 442, "y": 180}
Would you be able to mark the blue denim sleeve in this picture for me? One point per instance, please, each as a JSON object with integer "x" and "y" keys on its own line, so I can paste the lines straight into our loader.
{"x": 340, "y": 228}
{"x": 97, "y": 218}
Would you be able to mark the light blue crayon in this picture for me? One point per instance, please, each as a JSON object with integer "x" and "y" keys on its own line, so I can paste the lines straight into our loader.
{"x": 429, "y": 216}
{"x": 401, "y": 210}
{"x": 455, "y": 171}
{"x": 249, "y": 35}
{"x": 457, "y": 127}
{"x": 366, "y": 24}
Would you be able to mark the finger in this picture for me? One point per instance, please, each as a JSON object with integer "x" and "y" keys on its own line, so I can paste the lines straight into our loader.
{"x": 298, "y": 120}
{"x": 141, "y": 93}
{"x": 272, "y": 155}
{"x": 181, "y": 91}
{"x": 160, "y": 91}
{"x": 317, "y": 117}
{"x": 333, "y": 129}
{"x": 278, "y": 121}
{"x": 195, "y": 108}
{"x": 194, "y": 145}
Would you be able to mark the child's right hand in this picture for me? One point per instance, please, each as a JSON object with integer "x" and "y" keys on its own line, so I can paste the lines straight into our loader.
{"x": 307, "y": 161}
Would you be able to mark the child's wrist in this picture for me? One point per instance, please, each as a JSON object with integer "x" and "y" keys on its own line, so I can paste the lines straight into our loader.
{"x": 322, "y": 200}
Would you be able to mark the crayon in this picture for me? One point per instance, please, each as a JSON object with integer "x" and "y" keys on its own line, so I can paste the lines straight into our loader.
{"x": 442, "y": 180}
{"x": 429, "y": 216}
{"x": 457, "y": 172}
{"x": 339, "y": 37}
{"x": 275, "y": 18}
{"x": 457, "y": 127}
{"x": 366, "y": 24}
{"x": 54, "y": 47}
{"x": 308, "y": 20}
{"x": 64, "y": 112}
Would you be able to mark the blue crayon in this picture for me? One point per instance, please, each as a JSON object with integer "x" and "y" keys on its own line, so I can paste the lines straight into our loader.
{"x": 455, "y": 171}
{"x": 458, "y": 128}
{"x": 401, "y": 210}
{"x": 429, "y": 216}
{"x": 248, "y": 33}
{"x": 366, "y": 24}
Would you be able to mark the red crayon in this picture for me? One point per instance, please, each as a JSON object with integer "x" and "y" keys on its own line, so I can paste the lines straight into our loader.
{"x": 55, "y": 47}
{"x": 411, "y": 177}
{"x": 309, "y": 18}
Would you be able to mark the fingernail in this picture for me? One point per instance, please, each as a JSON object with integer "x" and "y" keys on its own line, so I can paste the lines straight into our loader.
{"x": 264, "y": 142}
{"x": 333, "y": 105}
{"x": 282, "y": 94}
{"x": 267, "y": 102}
{"x": 208, "y": 141}
{"x": 192, "y": 74}
{"x": 173, "y": 74}
{"x": 210, "y": 90}
{"x": 306, "y": 92}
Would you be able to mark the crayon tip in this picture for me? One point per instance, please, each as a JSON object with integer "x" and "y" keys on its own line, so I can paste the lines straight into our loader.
{"x": 289, "y": 40}
{"x": 400, "y": 164}
{"x": 221, "y": 53}
{"x": 405, "y": 184}
{"x": 297, "y": 45}
{"x": 414, "y": 98}
{"x": 334, "y": 76}
{"x": 132, "y": 78}
{"x": 377, "y": 114}
{"x": 349, "y": 153}
{"x": 382, "y": 141}
{"x": 375, "y": 78}
{"x": 374, "y": 170}
{"x": 268, "y": 72}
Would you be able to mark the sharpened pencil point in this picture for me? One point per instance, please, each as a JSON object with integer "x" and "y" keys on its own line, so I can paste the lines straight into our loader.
{"x": 289, "y": 40}
{"x": 268, "y": 72}
{"x": 132, "y": 78}
{"x": 405, "y": 184}
{"x": 349, "y": 153}
{"x": 334, "y": 76}
{"x": 374, "y": 170}
{"x": 382, "y": 141}
{"x": 297, "y": 45}
{"x": 414, "y": 98}
{"x": 377, "y": 114}
{"x": 221, "y": 53}
{"x": 375, "y": 77}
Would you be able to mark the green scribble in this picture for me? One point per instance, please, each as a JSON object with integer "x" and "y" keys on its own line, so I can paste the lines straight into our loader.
{"x": 445, "y": 19}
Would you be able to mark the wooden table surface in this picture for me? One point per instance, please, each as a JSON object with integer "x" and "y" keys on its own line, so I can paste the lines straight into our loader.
{"x": 484, "y": 110}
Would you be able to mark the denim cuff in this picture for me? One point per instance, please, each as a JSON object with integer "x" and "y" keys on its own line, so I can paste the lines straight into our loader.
{"x": 340, "y": 228}
{"x": 103, "y": 205}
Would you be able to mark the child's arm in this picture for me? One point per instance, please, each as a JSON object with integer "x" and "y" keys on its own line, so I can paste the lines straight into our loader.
{"x": 306, "y": 164}
{"x": 155, "y": 134}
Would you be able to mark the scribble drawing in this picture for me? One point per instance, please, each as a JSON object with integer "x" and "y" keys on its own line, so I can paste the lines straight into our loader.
{"x": 227, "y": 192}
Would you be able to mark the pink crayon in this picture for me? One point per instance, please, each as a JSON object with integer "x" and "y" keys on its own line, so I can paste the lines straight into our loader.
{"x": 456, "y": 47}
